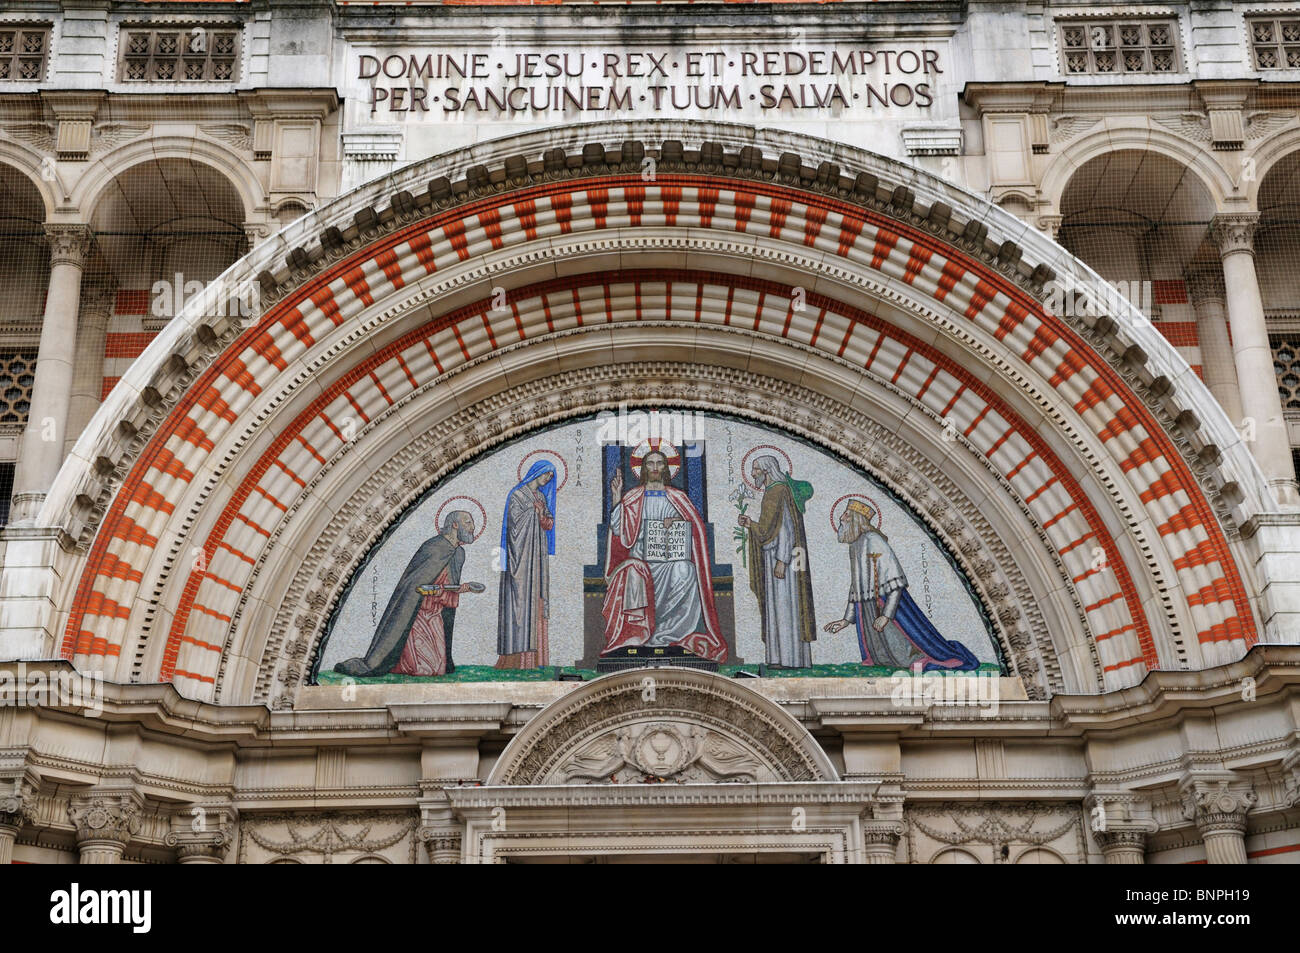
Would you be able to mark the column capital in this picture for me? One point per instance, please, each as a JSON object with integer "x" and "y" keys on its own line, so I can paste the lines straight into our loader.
{"x": 18, "y": 805}
{"x": 1218, "y": 804}
{"x": 68, "y": 243}
{"x": 1121, "y": 840}
{"x": 1205, "y": 284}
{"x": 105, "y": 817}
{"x": 1291, "y": 781}
{"x": 440, "y": 831}
{"x": 1234, "y": 232}
{"x": 204, "y": 833}
{"x": 98, "y": 295}
{"x": 1120, "y": 822}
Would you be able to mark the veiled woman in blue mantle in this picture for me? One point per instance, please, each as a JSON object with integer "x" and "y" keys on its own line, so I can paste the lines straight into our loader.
{"x": 527, "y": 542}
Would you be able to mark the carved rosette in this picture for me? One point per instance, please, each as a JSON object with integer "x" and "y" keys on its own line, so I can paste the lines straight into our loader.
{"x": 1234, "y": 232}
{"x": 68, "y": 244}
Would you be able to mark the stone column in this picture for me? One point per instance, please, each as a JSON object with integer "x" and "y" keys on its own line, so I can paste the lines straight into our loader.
{"x": 1120, "y": 824}
{"x": 441, "y": 832}
{"x": 204, "y": 834}
{"x": 105, "y": 823}
{"x": 1219, "y": 807}
{"x": 47, "y": 421}
{"x": 880, "y": 841}
{"x": 443, "y": 845}
{"x": 17, "y": 810}
{"x": 1122, "y": 846}
{"x": 88, "y": 369}
{"x": 1235, "y": 236}
{"x": 1207, "y": 294}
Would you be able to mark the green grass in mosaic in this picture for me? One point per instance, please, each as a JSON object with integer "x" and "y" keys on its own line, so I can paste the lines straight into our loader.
{"x": 487, "y": 673}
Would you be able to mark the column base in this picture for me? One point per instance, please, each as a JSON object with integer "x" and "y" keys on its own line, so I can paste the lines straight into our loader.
{"x": 24, "y": 508}
{"x": 1286, "y": 492}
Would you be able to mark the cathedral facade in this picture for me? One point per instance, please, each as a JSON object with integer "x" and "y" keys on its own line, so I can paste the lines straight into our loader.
{"x": 677, "y": 432}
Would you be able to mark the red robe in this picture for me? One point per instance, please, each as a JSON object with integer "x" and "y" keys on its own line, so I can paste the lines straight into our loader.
{"x": 634, "y": 625}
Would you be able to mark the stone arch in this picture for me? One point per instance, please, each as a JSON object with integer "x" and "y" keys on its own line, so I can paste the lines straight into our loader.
{"x": 954, "y": 855}
{"x": 90, "y": 188}
{"x": 192, "y": 446}
{"x": 1274, "y": 149}
{"x": 28, "y": 163}
{"x": 1152, "y": 138}
{"x": 712, "y": 728}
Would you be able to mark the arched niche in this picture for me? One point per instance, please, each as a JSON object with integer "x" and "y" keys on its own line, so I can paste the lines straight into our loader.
{"x": 459, "y": 304}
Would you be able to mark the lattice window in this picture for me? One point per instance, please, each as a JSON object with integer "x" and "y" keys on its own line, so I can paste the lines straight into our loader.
{"x": 6, "y": 490}
{"x": 1286, "y": 365}
{"x": 182, "y": 54}
{"x": 1275, "y": 42}
{"x": 1119, "y": 46}
{"x": 17, "y": 374}
{"x": 23, "y": 50}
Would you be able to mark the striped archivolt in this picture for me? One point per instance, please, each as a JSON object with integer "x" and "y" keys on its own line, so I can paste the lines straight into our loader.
{"x": 168, "y": 477}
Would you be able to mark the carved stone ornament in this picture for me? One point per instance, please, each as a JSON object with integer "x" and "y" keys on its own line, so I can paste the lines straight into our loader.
{"x": 1234, "y": 232}
{"x": 322, "y": 837}
{"x": 107, "y": 817}
{"x": 68, "y": 244}
{"x": 18, "y": 806}
{"x": 648, "y": 726}
{"x": 663, "y": 751}
{"x": 1220, "y": 805}
{"x": 996, "y": 826}
{"x": 206, "y": 830}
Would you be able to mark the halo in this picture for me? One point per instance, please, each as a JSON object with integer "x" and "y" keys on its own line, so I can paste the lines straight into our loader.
{"x": 482, "y": 513}
{"x": 744, "y": 462}
{"x": 855, "y": 496}
{"x": 519, "y": 473}
{"x": 662, "y": 446}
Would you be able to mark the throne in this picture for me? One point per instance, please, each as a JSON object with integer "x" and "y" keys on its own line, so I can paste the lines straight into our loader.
{"x": 692, "y": 479}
